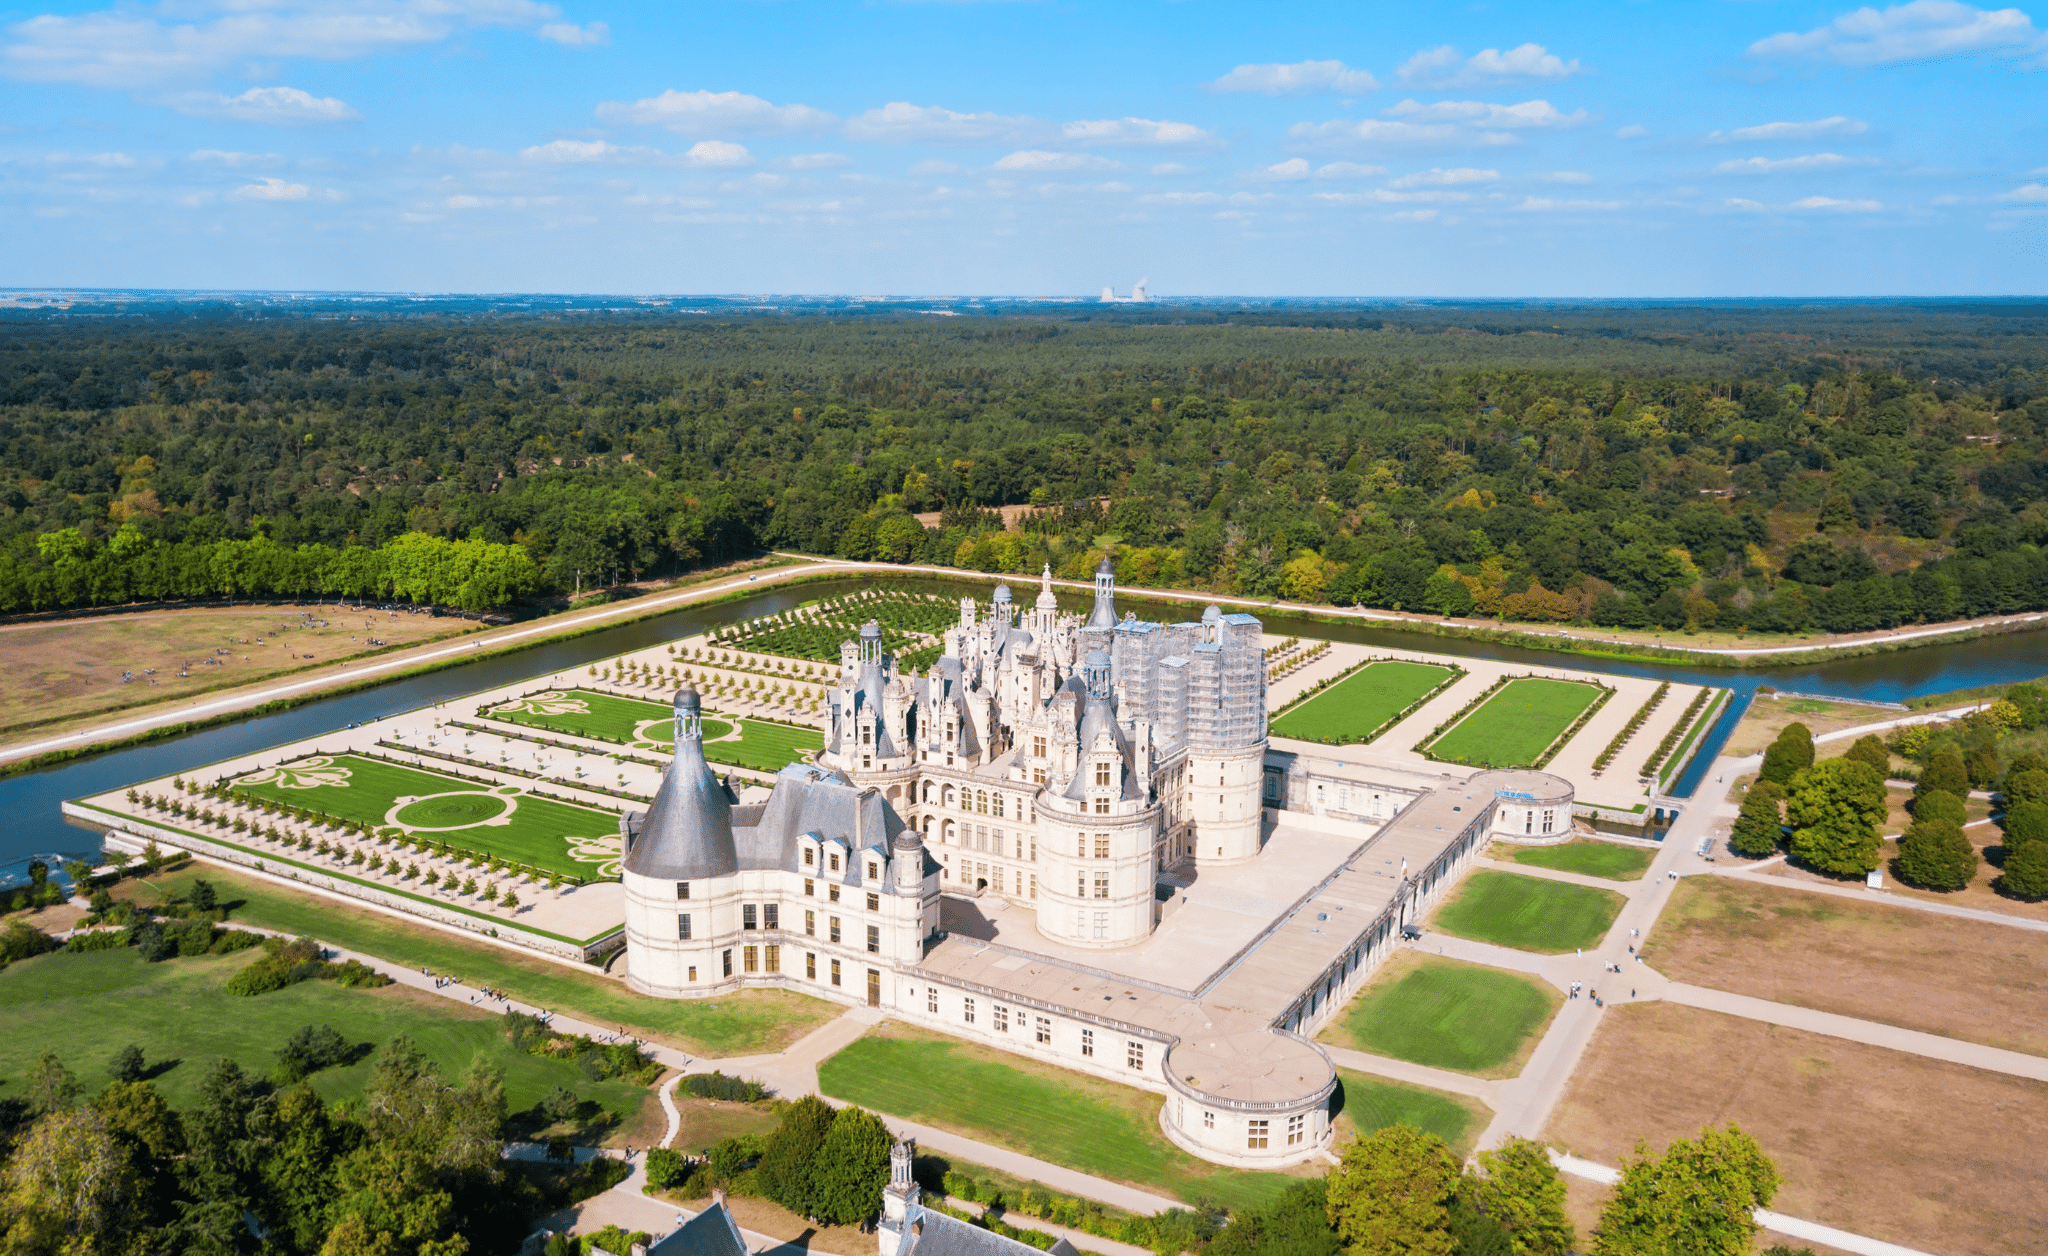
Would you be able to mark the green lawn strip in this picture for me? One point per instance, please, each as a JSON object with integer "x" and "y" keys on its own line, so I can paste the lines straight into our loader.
{"x": 1448, "y": 1014}
{"x": 1373, "y": 1103}
{"x": 1516, "y": 725}
{"x": 283, "y": 866}
{"x": 1066, "y": 1118}
{"x": 1362, "y": 701}
{"x": 749, "y": 1023}
{"x": 87, "y": 1007}
{"x": 1683, "y": 750}
{"x": 1592, "y": 859}
{"x": 536, "y": 834}
{"x": 765, "y": 746}
{"x": 609, "y": 717}
{"x": 1508, "y": 909}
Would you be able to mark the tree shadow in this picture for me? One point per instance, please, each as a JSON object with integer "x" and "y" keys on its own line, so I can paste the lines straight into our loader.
{"x": 159, "y": 1068}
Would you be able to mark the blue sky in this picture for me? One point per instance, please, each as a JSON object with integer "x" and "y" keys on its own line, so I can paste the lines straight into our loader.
{"x": 835, "y": 146}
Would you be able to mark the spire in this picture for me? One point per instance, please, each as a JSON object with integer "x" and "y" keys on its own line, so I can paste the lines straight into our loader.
{"x": 1046, "y": 601}
{"x": 687, "y": 833}
{"x": 1104, "y": 615}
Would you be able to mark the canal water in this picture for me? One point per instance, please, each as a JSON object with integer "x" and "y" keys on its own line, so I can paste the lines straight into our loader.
{"x": 34, "y": 828}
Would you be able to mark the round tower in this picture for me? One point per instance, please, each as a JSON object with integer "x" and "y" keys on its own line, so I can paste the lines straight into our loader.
{"x": 1096, "y": 831}
{"x": 681, "y": 874}
{"x": 1226, "y": 760}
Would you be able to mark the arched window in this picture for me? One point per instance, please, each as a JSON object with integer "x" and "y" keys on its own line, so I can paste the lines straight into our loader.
{"x": 999, "y": 806}
{"x": 981, "y": 801}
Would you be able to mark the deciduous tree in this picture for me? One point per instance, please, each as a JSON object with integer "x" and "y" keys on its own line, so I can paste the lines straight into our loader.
{"x": 1786, "y": 756}
{"x": 1934, "y": 855}
{"x": 1759, "y": 828}
{"x": 1391, "y": 1195}
{"x": 1698, "y": 1198}
{"x": 1835, "y": 809}
{"x": 1519, "y": 1188}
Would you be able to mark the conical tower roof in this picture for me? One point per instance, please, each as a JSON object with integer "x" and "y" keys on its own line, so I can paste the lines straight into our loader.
{"x": 687, "y": 834}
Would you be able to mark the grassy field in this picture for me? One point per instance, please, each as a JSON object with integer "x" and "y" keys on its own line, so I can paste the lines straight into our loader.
{"x": 87, "y": 1007}
{"x": 1517, "y": 724}
{"x": 1968, "y": 979}
{"x": 749, "y": 1023}
{"x": 1448, "y": 1014}
{"x": 599, "y": 716}
{"x": 1067, "y": 1118}
{"x": 68, "y": 668}
{"x": 1919, "y": 1152}
{"x": 764, "y": 746}
{"x": 1371, "y": 1103}
{"x": 1361, "y": 702}
{"x": 1591, "y": 859}
{"x": 1530, "y": 915}
{"x": 503, "y": 821}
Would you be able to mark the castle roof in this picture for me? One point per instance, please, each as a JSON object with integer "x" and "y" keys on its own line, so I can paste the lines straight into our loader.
{"x": 687, "y": 832}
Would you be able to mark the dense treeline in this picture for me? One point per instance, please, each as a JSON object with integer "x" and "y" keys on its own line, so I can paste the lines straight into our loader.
{"x": 1775, "y": 470}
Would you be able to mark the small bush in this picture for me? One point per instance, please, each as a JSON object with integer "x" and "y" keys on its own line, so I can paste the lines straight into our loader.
{"x": 22, "y": 940}
{"x": 99, "y": 940}
{"x": 719, "y": 1086}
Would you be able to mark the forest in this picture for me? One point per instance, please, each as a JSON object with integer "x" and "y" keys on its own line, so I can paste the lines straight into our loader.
{"x": 1780, "y": 468}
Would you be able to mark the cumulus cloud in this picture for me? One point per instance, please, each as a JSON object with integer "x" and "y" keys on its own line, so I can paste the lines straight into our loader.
{"x": 1783, "y": 165}
{"x": 702, "y": 112}
{"x": 276, "y": 106}
{"x": 1284, "y": 172}
{"x": 586, "y": 152}
{"x": 1135, "y": 132}
{"x": 231, "y": 159}
{"x": 1439, "y": 177}
{"x": 1300, "y": 78}
{"x": 1632, "y": 131}
{"x": 1347, "y": 170}
{"x": 2031, "y": 193}
{"x": 106, "y": 161}
{"x": 1546, "y": 205}
{"x": 1566, "y": 176}
{"x": 570, "y": 35}
{"x": 1923, "y": 30}
{"x": 1829, "y": 202}
{"x": 1529, "y": 114}
{"x": 1383, "y": 196}
{"x": 141, "y": 46}
{"x": 1036, "y": 160}
{"x": 1442, "y": 69}
{"x": 1172, "y": 167}
{"x": 1819, "y": 128}
{"x": 271, "y": 188}
{"x": 813, "y": 161}
{"x": 900, "y": 122}
{"x": 718, "y": 155}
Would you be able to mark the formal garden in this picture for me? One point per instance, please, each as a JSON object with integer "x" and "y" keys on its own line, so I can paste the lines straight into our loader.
{"x": 1447, "y": 1014}
{"x": 762, "y": 745}
{"x": 910, "y": 623}
{"x": 1520, "y": 724}
{"x": 1528, "y": 914}
{"x": 1364, "y": 704}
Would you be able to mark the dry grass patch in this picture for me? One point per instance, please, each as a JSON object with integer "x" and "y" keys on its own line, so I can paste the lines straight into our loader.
{"x": 1959, "y": 978}
{"x": 1899, "y": 1147}
{"x": 1978, "y": 895}
{"x": 73, "y": 667}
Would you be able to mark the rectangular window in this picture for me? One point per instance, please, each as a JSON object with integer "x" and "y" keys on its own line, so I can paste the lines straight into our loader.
{"x": 833, "y": 922}
{"x": 750, "y": 958}
{"x": 771, "y": 958}
{"x": 693, "y": 972}
{"x": 771, "y": 915}
{"x": 835, "y": 972}
{"x": 683, "y": 926}
{"x": 1080, "y": 885}
{"x": 1038, "y": 776}
{"x": 682, "y": 889}
{"x": 1102, "y": 845}
{"x": 1134, "y": 1055}
{"x": 1034, "y": 885}
{"x": 1102, "y": 925}
{"x": 810, "y": 888}
{"x": 835, "y": 861}
{"x": 874, "y": 870}
{"x": 810, "y": 924}
{"x": 810, "y": 857}
{"x": 1102, "y": 806}
{"x": 811, "y": 965}
{"x": 1043, "y": 1029}
{"x": 1255, "y": 1134}
{"x": 1002, "y": 1019}
{"x": 931, "y": 999}
{"x": 1102, "y": 887}
{"x": 1208, "y": 1120}
{"x": 747, "y": 916}
{"x": 1295, "y": 1129}
{"x": 999, "y": 812}
{"x": 726, "y": 958}
{"x": 1102, "y": 773}
{"x": 874, "y": 902}
{"x": 1038, "y": 747}
{"x": 832, "y": 892}
{"x": 1087, "y": 1042}
{"x": 874, "y": 939}
{"x": 1080, "y": 845}
{"x": 967, "y": 1010}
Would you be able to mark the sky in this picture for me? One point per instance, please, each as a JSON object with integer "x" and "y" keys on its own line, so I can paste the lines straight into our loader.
{"x": 1714, "y": 148}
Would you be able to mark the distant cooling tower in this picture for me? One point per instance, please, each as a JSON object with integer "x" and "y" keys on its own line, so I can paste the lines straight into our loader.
{"x": 1108, "y": 295}
{"x": 1137, "y": 297}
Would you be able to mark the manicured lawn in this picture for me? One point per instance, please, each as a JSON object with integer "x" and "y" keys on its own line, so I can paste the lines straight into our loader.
{"x": 87, "y": 1007}
{"x": 1517, "y": 724}
{"x": 1592, "y": 859}
{"x": 1361, "y": 702}
{"x": 600, "y": 716}
{"x": 502, "y": 820}
{"x": 1372, "y": 1103}
{"x": 764, "y": 746}
{"x": 744, "y": 1024}
{"x": 1081, "y": 1122}
{"x": 1530, "y": 915}
{"x": 1448, "y": 1015}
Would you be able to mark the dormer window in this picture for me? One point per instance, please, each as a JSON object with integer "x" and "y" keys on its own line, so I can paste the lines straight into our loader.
{"x": 810, "y": 857}
{"x": 1038, "y": 747}
{"x": 1102, "y": 772}
{"x": 835, "y": 861}
{"x": 867, "y": 734}
{"x": 872, "y": 870}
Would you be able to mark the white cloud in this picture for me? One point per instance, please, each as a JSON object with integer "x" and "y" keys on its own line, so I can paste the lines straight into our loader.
{"x": 1172, "y": 167}
{"x": 1440, "y": 177}
{"x": 1182, "y": 198}
{"x": 1830, "y": 203}
{"x": 718, "y": 155}
{"x": 900, "y": 122}
{"x": 570, "y": 35}
{"x": 586, "y": 152}
{"x": 1441, "y": 69}
{"x": 1135, "y": 132}
{"x": 1040, "y": 161}
{"x": 1379, "y": 131}
{"x": 277, "y": 106}
{"x": 1413, "y": 215}
{"x": 702, "y": 112}
{"x": 140, "y": 46}
{"x": 1816, "y": 129}
{"x": 1566, "y": 176}
{"x": 927, "y": 168}
{"x": 1347, "y": 170}
{"x": 1528, "y": 114}
{"x": 1632, "y": 131}
{"x": 1301, "y": 78}
{"x": 2032, "y": 193}
{"x": 813, "y": 161}
{"x": 231, "y": 159}
{"x": 1924, "y": 30}
{"x": 1780, "y": 165}
{"x": 1545, "y": 205}
{"x": 274, "y": 189}
{"x": 1382, "y": 196}
{"x": 109, "y": 161}
{"x": 1284, "y": 172}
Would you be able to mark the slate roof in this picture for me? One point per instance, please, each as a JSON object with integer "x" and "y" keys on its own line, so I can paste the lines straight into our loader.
{"x": 933, "y": 1233}
{"x": 686, "y": 834}
{"x": 711, "y": 1232}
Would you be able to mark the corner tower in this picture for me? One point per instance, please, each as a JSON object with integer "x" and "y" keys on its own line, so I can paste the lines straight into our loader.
{"x": 681, "y": 871}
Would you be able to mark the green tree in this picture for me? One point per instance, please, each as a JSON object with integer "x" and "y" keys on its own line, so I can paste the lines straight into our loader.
{"x": 1983, "y": 766}
{"x": 68, "y": 1187}
{"x": 127, "y": 1064}
{"x": 1835, "y": 809}
{"x": 1871, "y": 749}
{"x": 1791, "y": 752}
{"x": 2026, "y": 872}
{"x": 1940, "y": 805}
{"x": 51, "y": 1086}
{"x": 2025, "y": 823}
{"x": 1519, "y": 1188}
{"x": 1944, "y": 773}
{"x": 299, "y": 1176}
{"x": 1934, "y": 855}
{"x": 1297, "y": 1224}
{"x": 1759, "y": 827}
{"x": 790, "y": 1171}
{"x": 1698, "y": 1198}
{"x": 1391, "y": 1194}
{"x": 853, "y": 1166}
{"x": 2030, "y": 785}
